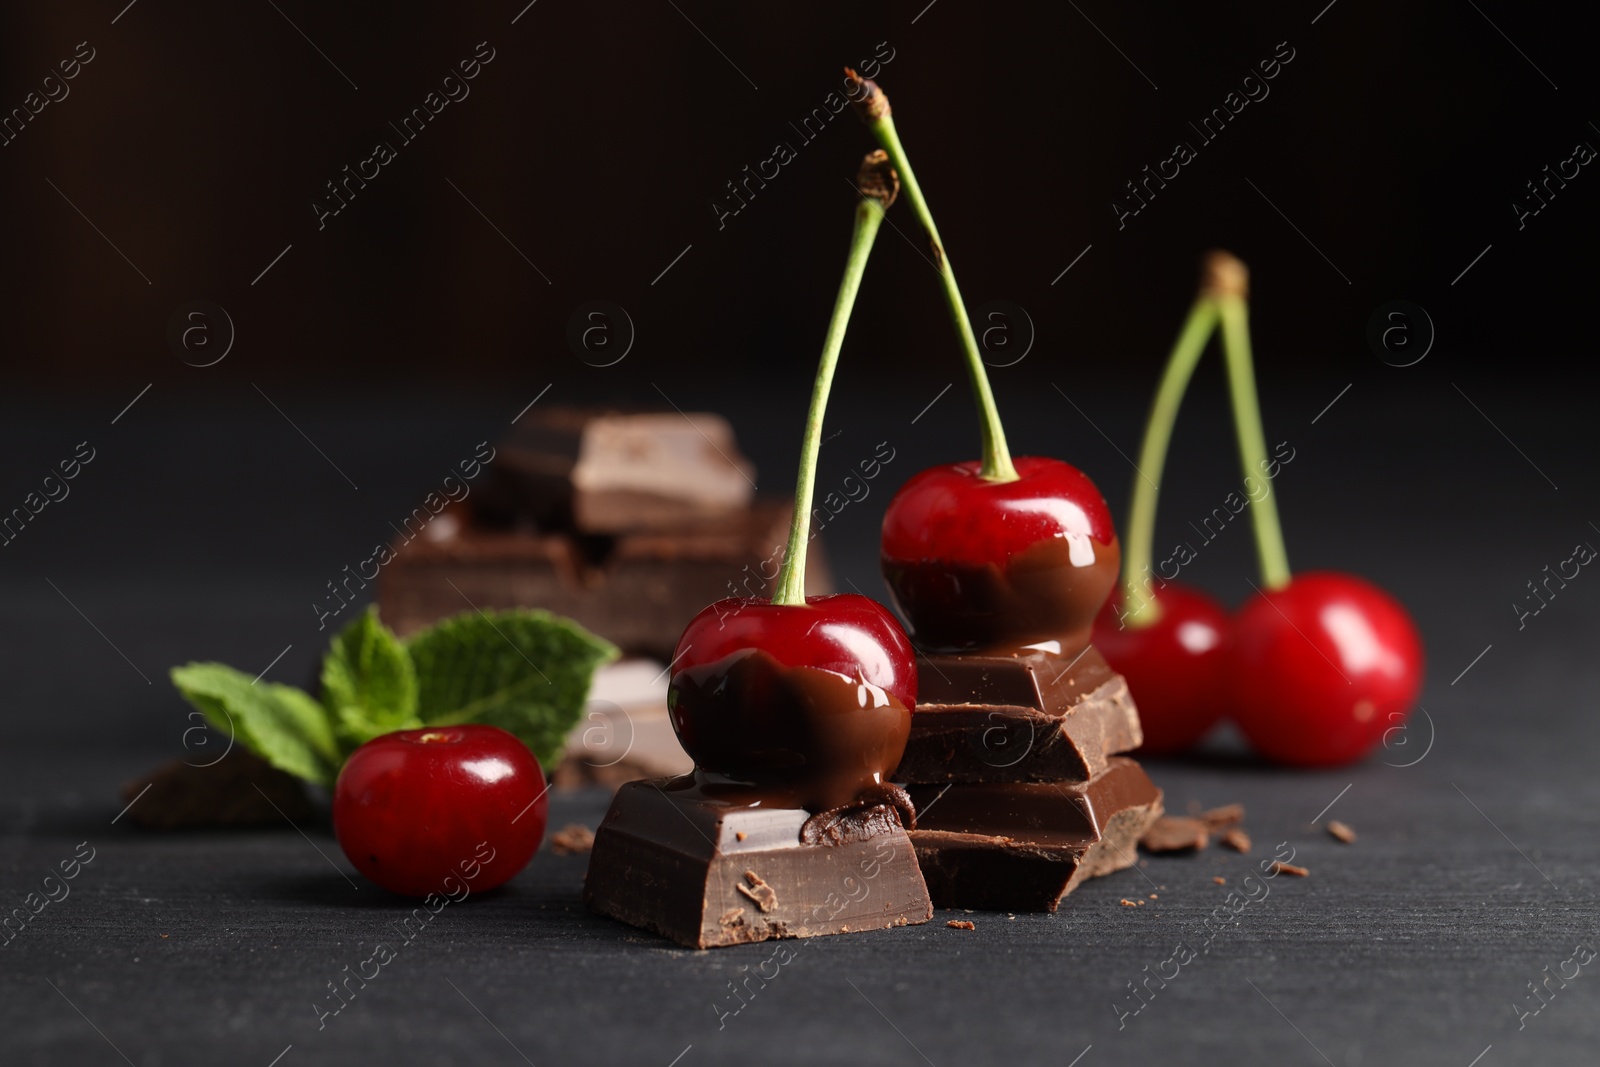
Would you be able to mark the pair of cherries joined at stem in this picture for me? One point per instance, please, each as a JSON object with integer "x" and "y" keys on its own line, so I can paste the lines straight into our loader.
{"x": 1315, "y": 668}
{"x": 808, "y": 700}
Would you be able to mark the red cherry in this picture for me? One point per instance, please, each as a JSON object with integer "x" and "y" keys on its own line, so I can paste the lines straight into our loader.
{"x": 976, "y": 564}
{"x": 812, "y": 700}
{"x": 1323, "y": 668}
{"x": 440, "y": 809}
{"x": 1178, "y": 668}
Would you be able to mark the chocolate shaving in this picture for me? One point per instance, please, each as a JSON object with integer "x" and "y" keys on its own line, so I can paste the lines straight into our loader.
{"x": 961, "y": 924}
{"x": 1223, "y": 817}
{"x": 764, "y": 896}
{"x": 1175, "y": 833}
{"x": 1341, "y": 832}
{"x": 1237, "y": 839}
{"x": 1279, "y": 867}
{"x": 571, "y": 839}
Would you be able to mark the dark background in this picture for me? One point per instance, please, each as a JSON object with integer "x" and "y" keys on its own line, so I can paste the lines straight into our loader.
{"x": 377, "y": 352}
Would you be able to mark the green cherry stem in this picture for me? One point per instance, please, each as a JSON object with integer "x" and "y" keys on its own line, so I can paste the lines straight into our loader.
{"x": 1143, "y": 609}
{"x": 872, "y": 105}
{"x": 878, "y": 187}
{"x": 1274, "y": 558}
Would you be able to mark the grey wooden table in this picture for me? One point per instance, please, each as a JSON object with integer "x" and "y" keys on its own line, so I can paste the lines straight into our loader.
{"x": 1473, "y": 875}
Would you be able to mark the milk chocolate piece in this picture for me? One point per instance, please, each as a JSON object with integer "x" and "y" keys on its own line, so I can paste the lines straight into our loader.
{"x": 1023, "y": 846}
{"x": 635, "y": 590}
{"x": 1022, "y": 718}
{"x": 707, "y": 872}
{"x": 609, "y": 472}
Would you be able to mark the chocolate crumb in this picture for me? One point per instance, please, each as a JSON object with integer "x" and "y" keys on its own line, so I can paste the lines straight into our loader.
{"x": 571, "y": 839}
{"x": 1341, "y": 832}
{"x": 1154, "y": 897}
{"x": 740, "y": 834}
{"x": 1223, "y": 817}
{"x": 1219, "y": 879}
{"x": 1237, "y": 840}
{"x": 765, "y": 897}
{"x": 1175, "y": 833}
{"x": 1279, "y": 867}
{"x": 1126, "y": 903}
{"x": 731, "y": 917}
{"x": 961, "y": 924}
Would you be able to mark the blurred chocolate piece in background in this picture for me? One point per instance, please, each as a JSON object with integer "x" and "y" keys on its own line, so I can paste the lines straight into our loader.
{"x": 627, "y": 523}
{"x": 594, "y": 471}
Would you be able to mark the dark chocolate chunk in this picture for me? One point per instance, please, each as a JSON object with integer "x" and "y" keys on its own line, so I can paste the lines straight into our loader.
{"x": 706, "y": 871}
{"x": 609, "y": 472}
{"x": 1033, "y": 717}
{"x": 1023, "y": 846}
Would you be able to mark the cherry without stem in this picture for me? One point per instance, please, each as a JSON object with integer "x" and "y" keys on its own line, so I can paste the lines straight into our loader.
{"x": 436, "y": 809}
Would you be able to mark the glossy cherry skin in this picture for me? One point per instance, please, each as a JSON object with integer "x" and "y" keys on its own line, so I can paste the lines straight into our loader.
{"x": 1178, "y": 668}
{"x": 812, "y": 702}
{"x": 444, "y": 810}
{"x": 981, "y": 565}
{"x": 1323, "y": 668}
{"x": 842, "y": 632}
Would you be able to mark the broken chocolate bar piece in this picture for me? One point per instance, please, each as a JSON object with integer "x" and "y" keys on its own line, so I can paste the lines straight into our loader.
{"x": 609, "y": 472}
{"x": 1024, "y": 718}
{"x": 635, "y": 590}
{"x": 1023, "y": 846}
{"x": 706, "y": 871}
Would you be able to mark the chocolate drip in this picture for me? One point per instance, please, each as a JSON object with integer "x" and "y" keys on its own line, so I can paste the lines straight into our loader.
{"x": 1040, "y": 595}
{"x": 786, "y": 736}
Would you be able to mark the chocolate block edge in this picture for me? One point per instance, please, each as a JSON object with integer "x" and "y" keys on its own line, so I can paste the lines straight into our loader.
{"x": 707, "y": 895}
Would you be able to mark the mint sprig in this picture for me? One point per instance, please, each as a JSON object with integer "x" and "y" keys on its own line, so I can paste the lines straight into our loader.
{"x": 525, "y": 671}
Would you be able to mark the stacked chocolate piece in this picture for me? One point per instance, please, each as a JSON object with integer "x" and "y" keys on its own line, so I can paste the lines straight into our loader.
{"x": 1013, "y": 767}
{"x": 627, "y": 522}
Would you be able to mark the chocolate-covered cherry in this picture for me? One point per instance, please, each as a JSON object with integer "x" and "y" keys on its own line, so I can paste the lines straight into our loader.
{"x": 990, "y": 555}
{"x": 1178, "y": 666}
{"x": 1323, "y": 667}
{"x": 806, "y": 700}
{"x": 811, "y": 700}
{"x": 981, "y": 564}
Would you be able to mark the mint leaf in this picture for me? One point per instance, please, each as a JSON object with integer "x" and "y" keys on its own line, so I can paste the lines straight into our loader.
{"x": 525, "y": 671}
{"x": 279, "y": 723}
{"x": 368, "y": 683}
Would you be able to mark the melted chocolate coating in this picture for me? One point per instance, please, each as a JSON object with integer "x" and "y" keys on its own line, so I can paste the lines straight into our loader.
{"x": 1040, "y": 595}
{"x": 764, "y": 733}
